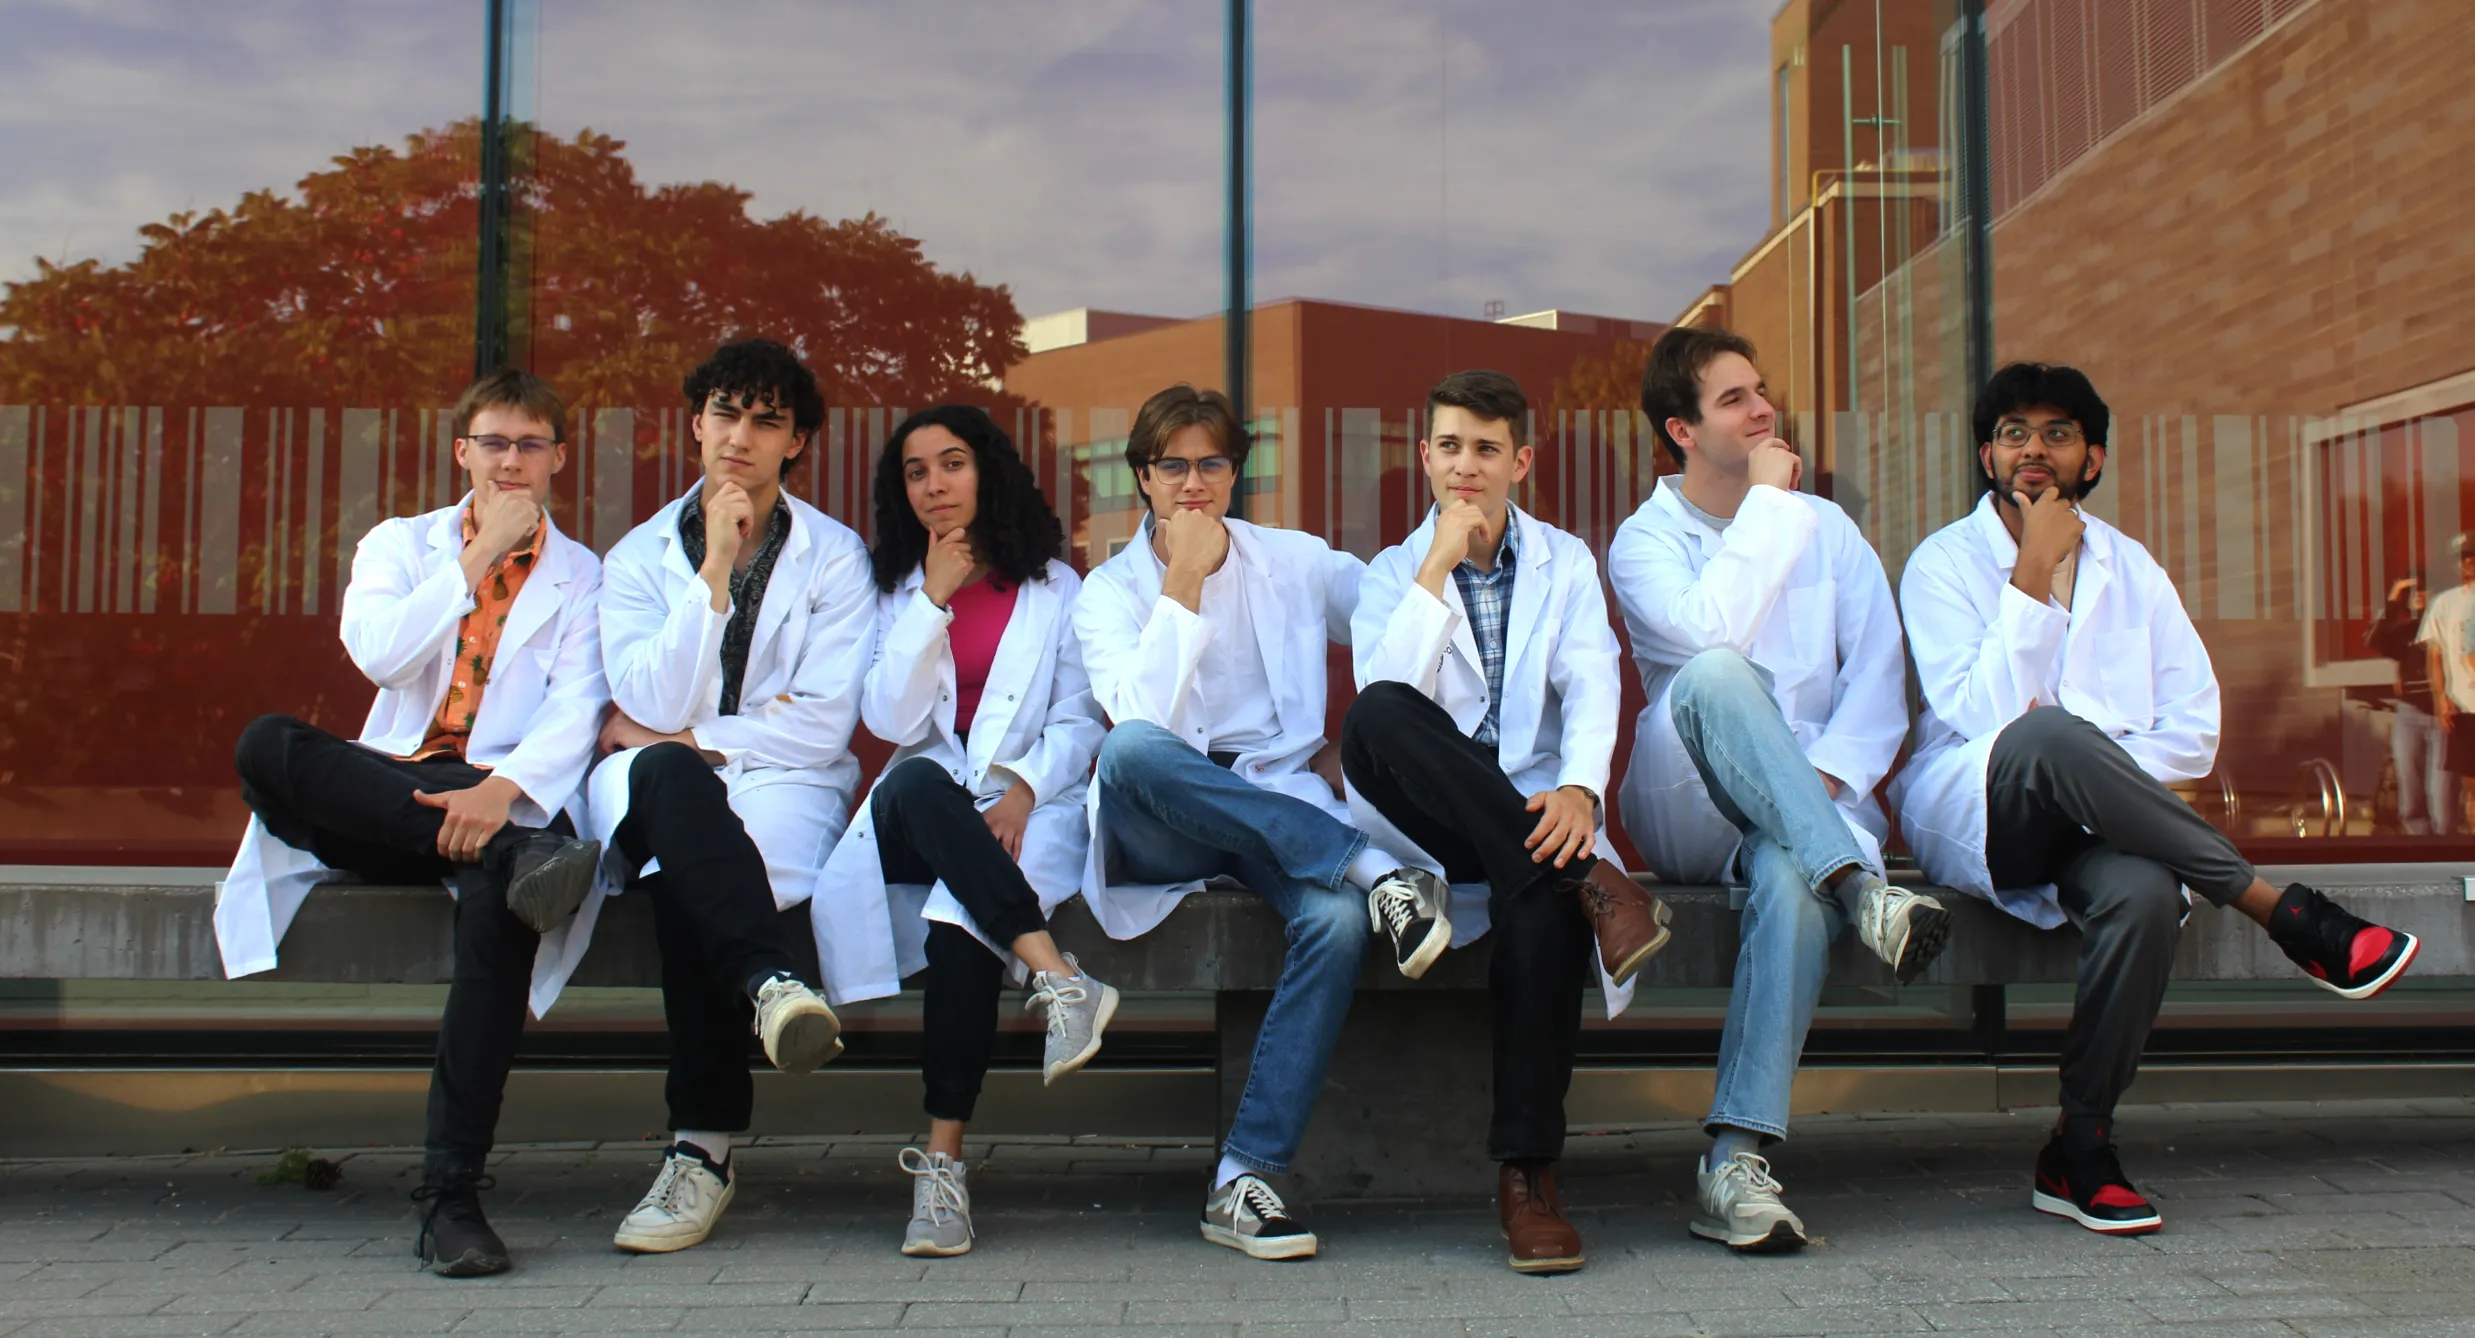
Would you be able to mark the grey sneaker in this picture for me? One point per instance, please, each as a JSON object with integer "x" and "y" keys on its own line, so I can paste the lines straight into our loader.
{"x": 940, "y": 1205}
{"x": 799, "y": 1031}
{"x": 1246, "y": 1215}
{"x": 1740, "y": 1208}
{"x": 1408, "y": 907}
{"x": 1078, "y": 1009}
{"x": 1905, "y": 929}
{"x": 548, "y": 877}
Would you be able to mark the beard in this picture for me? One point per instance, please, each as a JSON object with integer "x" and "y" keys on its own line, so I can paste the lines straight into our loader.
{"x": 2071, "y": 490}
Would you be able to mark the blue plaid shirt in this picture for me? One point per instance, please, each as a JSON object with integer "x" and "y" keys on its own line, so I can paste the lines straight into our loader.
{"x": 1487, "y": 596}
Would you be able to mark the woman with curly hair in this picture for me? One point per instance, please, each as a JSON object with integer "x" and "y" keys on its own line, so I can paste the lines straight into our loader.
{"x": 975, "y": 830}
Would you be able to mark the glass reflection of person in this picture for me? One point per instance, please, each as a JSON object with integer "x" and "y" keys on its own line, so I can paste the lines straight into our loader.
{"x": 2448, "y": 638}
{"x": 2418, "y": 746}
{"x": 2063, "y": 684}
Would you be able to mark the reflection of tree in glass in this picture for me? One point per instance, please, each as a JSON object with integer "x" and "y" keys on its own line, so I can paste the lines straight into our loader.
{"x": 362, "y": 291}
{"x": 1604, "y": 381}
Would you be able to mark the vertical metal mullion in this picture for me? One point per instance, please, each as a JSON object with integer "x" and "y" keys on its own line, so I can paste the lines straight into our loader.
{"x": 1976, "y": 162}
{"x": 490, "y": 294}
{"x": 1236, "y": 324}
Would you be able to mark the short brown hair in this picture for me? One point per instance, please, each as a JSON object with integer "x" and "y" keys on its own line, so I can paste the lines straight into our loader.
{"x": 512, "y": 388}
{"x": 1671, "y": 383}
{"x": 1182, "y": 406}
{"x": 1493, "y": 396}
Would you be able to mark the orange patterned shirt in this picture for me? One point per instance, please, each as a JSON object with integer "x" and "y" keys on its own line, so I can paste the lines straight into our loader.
{"x": 476, "y": 644}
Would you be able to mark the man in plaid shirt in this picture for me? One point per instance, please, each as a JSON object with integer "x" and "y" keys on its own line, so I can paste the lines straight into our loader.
{"x": 1485, "y": 724}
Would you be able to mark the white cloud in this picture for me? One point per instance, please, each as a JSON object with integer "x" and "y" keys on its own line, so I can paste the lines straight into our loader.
{"x": 1604, "y": 155}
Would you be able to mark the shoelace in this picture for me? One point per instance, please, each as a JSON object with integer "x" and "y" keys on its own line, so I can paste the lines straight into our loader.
{"x": 1398, "y": 905}
{"x": 1753, "y": 1170}
{"x": 1599, "y": 900}
{"x": 442, "y": 1195}
{"x": 1259, "y": 1199}
{"x": 1052, "y": 994}
{"x": 672, "y": 1184}
{"x": 769, "y": 996}
{"x": 945, "y": 1191}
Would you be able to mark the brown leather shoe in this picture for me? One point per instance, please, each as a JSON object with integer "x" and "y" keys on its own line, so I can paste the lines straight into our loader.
{"x": 1532, "y": 1213}
{"x": 1630, "y": 923}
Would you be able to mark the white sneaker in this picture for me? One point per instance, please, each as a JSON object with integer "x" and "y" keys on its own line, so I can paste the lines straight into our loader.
{"x": 1905, "y": 929}
{"x": 687, "y": 1198}
{"x": 940, "y": 1205}
{"x": 800, "y": 1032}
{"x": 1740, "y": 1207}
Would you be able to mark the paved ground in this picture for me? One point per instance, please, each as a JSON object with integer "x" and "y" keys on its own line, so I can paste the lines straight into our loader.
{"x": 2353, "y": 1219}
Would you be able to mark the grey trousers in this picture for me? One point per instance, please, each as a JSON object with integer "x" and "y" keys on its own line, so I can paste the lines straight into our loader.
{"x": 2065, "y": 804}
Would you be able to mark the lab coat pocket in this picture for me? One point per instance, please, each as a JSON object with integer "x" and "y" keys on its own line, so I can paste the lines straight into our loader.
{"x": 1804, "y": 680}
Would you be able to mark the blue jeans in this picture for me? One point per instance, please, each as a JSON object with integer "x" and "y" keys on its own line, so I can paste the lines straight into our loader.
{"x": 1795, "y": 840}
{"x": 1173, "y": 815}
{"x": 2427, "y": 793}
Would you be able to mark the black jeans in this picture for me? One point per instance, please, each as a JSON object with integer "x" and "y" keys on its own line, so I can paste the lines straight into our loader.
{"x": 929, "y": 830}
{"x": 354, "y": 810}
{"x": 1445, "y": 791}
{"x": 2065, "y": 804}
{"x": 715, "y": 923}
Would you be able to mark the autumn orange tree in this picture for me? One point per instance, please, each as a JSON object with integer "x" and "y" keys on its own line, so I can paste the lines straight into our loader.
{"x": 360, "y": 288}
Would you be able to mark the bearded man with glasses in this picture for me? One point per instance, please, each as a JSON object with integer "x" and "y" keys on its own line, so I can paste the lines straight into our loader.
{"x": 2064, "y": 686}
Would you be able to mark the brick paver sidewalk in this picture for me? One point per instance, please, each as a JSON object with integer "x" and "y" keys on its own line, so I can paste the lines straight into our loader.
{"x": 2353, "y": 1219}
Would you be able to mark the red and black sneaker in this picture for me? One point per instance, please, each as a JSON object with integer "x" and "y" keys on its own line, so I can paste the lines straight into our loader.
{"x": 2079, "y": 1177}
{"x": 2346, "y": 954}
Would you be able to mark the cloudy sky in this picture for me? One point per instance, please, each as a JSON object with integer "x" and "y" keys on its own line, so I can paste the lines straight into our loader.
{"x": 1595, "y": 155}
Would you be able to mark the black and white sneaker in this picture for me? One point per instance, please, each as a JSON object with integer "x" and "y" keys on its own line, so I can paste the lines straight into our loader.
{"x": 2080, "y": 1177}
{"x": 1408, "y": 907}
{"x": 1246, "y": 1215}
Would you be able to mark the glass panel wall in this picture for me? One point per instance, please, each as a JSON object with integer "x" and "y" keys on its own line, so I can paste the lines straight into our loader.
{"x": 237, "y": 244}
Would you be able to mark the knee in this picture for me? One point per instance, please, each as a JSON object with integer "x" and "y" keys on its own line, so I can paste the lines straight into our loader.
{"x": 2050, "y": 732}
{"x": 671, "y": 770}
{"x": 1330, "y": 922}
{"x": 1718, "y": 676}
{"x": 2138, "y": 899}
{"x": 911, "y": 780}
{"x": 1379, "y": 706}
{"x": 259, "y": 755}
{"x": 1133, "y": 749}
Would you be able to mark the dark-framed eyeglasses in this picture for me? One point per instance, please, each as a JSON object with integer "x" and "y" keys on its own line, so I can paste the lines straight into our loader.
{"x": 527, "y": 448}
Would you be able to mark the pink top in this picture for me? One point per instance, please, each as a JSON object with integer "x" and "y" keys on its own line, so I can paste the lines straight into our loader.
{"x": 981, "y": 610}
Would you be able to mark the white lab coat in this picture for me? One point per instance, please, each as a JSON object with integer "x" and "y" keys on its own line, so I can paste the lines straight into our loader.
{"x": 538, "y": 717}
{"x": 1036, "y": 723}
{"x": 786, "y": 755}
{"x": 1143, "y": 650}
{"x": 1557, "y": 723}
{"x": 1791, "y": 585}
{"x": 2124, "y": 657}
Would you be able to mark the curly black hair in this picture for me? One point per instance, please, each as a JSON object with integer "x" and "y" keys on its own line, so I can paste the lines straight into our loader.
{"x": 1015, "y": 532}
{"x": 2040, "y": 385}
{"x": 754, "y": 370}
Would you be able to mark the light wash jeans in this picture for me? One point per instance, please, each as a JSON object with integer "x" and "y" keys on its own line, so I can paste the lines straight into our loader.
{"x": 1795, "y": 840}
{"x": 2427, "y": 793}
{"x": 1172, "y": 815}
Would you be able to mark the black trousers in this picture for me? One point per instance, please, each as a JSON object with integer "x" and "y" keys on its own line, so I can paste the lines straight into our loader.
{"x": 354, "y": 810}
{"x": 1445, "y": 791}
{"x": 2065, "y": 804}
{"x": 716, "y": 926}
{"x": 929, "y": 830}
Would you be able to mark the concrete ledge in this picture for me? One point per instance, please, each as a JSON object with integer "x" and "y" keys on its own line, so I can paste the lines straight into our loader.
{"x": 1221, "y": 939}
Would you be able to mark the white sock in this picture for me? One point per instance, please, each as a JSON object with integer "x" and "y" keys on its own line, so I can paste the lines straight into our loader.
{"x": 1728, "y": 1143}
{"x": 716, "y": 1145}
{"x": 1371, "y": 866}
{"x": 1230, "y": 1169}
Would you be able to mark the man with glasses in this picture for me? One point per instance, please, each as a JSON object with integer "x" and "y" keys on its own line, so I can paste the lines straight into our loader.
{"x": 477, "y": 622}
{"x": 1205, "y": 639}
{"x": 2064, "y": 686}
